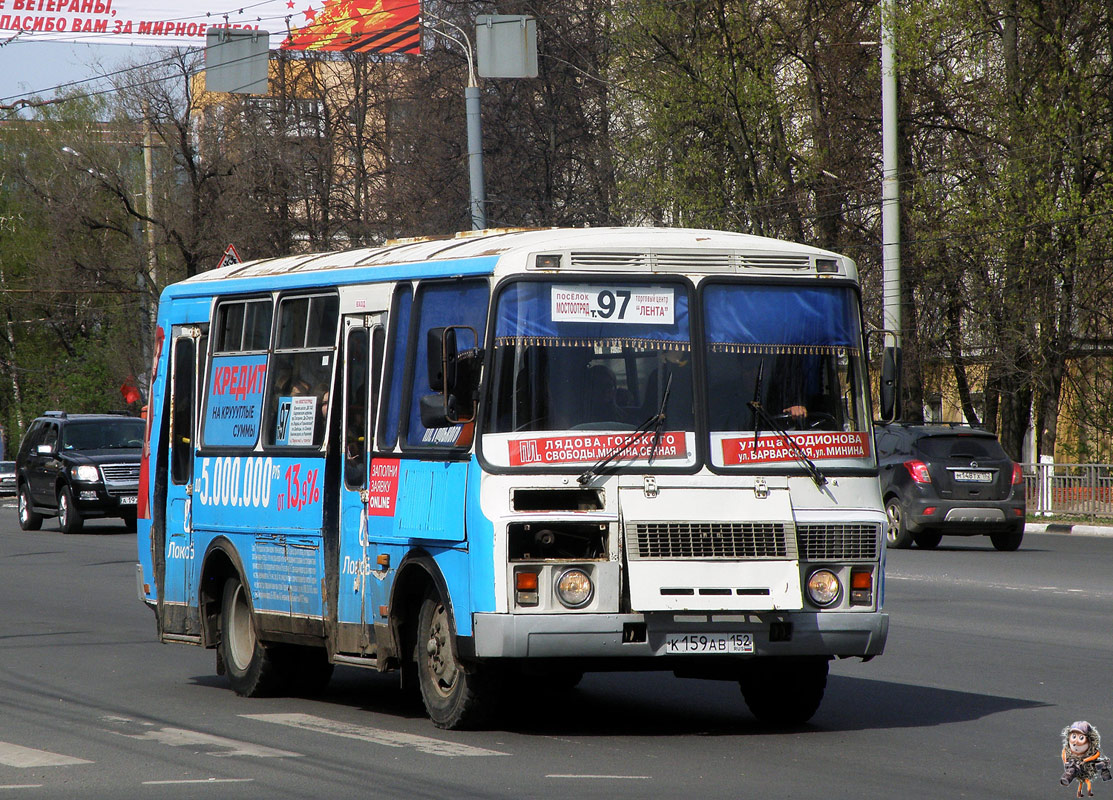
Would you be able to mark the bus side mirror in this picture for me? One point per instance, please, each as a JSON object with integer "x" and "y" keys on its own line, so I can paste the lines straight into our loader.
{"x": 890, "y": 384}
{"x": 454, "y": 375}
{"x": 437, "y": 410}
{"x": 440, "y": 346}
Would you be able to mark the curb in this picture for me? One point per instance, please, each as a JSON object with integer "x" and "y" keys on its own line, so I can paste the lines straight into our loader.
{"x": 1068, "y": 528}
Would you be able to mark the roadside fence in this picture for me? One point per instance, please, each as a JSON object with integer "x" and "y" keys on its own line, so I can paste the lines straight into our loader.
{"x": 1084, "y": 490}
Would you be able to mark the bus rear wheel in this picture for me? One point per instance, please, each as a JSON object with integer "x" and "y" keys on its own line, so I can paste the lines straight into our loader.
{"x": 456, "y": 696}
{"x": 784, "y": 693}
{"x": 250, "y": 664}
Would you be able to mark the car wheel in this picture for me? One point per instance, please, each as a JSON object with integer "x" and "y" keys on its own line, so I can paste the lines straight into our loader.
{"x": 456, "y": 696}
{"x": 781, "y": 692}
{"x": 1007, "y": 541}
{"x": 69, "y": 518}
{"x": 898, "y": 536}
{"x": 130, "y": 524}
{"x": 928, "y": 540}
{"x": 28, "y": 519}
{"x": 253, "y": 668}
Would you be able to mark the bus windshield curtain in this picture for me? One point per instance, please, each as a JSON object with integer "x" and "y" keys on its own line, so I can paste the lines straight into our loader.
{"x": 779, "y": 318}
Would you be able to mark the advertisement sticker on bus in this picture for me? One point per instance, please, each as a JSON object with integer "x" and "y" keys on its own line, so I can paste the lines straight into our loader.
{"x": 235, "y": 400}
{"x": 382, "y": 489}
{"x": 620, "y": 304}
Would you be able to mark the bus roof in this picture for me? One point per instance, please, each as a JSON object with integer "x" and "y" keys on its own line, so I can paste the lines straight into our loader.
{"x": 511, "y": 250}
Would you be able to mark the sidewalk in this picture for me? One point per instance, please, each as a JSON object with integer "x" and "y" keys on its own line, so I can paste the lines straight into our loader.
{"x": 1069, "y": 527}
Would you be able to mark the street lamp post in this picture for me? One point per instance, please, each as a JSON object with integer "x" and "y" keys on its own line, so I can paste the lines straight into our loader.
{"x": 478, "y": 200}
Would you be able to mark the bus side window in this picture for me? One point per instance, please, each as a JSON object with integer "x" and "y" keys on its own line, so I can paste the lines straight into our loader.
{"x": 439, "y": 304}
{"x": 396, "y": 366}
{"x": 301, "y": 371}
{"x": 181, "y": 424}
{"x": 233, "y": 396}
{"x": 355, "y": 408}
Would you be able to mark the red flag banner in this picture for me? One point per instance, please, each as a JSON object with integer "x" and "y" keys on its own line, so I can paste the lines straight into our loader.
{"x": 363, "y": 26}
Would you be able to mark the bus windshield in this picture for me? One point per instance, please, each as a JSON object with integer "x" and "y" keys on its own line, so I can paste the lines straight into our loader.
{"x": 783, "y": 357}
{"x": 602, "y": 360}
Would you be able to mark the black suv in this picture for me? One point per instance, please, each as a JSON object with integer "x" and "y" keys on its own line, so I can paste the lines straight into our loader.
{"x": 948, "y": 479}
{"x": 75, "y": 466}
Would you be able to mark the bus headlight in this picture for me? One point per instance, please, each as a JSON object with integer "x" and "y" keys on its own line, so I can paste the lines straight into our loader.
{"x": 823, "y": 588}
{"x": 86, "y": 472}
{"x": 574, "y": 588}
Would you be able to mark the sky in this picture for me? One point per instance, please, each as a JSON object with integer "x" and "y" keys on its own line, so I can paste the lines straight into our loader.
{"x": 37, "y": 68}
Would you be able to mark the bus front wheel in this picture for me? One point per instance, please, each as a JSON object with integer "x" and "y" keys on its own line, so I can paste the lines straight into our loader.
{"x": 784, "y": 693}
{"x": 456, "y": 696}
{"x": 250, "y": 664}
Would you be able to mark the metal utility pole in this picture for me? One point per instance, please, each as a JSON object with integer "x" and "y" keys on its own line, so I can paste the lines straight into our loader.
{"x": 890, "y": 182}
{"x": 890, "y": 218}
{"x": 478, "y": 201}
{"x": 150, "y": 288}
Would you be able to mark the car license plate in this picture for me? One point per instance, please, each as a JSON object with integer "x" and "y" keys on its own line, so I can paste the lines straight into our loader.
{"x": 974, "y": 477}
{"x": 699, "y": 643}
{"x": 127, "y": 500}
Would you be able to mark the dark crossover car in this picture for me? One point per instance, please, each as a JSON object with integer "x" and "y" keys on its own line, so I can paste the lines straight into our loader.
{"x": 948, "y": 479}
{"x": 76, "y": 466}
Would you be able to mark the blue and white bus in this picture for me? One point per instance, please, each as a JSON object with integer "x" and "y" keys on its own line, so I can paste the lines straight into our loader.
{"x": 518, "y": 453}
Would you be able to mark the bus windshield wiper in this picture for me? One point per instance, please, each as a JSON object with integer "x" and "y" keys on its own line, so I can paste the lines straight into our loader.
{"x": 797, "y": 452}
{"x": 656, "y": 422}
{"x": 660, "y": 422}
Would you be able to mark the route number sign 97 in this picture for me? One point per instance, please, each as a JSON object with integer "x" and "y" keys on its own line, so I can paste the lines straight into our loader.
{"x": 619, "y": 304}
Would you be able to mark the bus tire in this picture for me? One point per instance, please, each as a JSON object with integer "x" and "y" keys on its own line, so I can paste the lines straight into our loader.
{"x": 250, "y": 664}
{"x": 784, "y": 693}
{"x": 456, "y": 696}
{"x": 28, "y": 519}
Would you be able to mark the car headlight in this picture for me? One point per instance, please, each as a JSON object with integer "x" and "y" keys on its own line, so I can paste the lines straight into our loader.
{"x": 824, "y": 587}
{"x": 86, "y": 472}
{"x": 574, "y": 588}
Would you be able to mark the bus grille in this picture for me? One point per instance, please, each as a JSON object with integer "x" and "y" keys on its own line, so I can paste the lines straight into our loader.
{"x": 854, "y": 542}
{"x": 682, "y": 261}
{"x": 699, "y": 540}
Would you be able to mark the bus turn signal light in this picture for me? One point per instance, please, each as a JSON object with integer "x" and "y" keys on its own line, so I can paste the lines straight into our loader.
{"x": 861, "y": 587}
{"x": 525, "y": 588}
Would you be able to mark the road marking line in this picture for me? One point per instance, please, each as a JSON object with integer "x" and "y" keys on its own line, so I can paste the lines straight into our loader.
{"x": 425, "y": 744}
{"x": 892, "y": 575}
{"x": 198, "y": 780}
{"x": 179, "y": 737}
{"x": 15, "y": 756}
{"x": 602, "y": 777}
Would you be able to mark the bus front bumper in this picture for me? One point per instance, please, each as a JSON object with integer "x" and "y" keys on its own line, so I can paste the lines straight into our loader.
{"x": 841, "y": 634}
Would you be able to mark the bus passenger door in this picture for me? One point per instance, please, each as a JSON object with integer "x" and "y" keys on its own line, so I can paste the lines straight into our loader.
{"x": 187, "y": 357}
{"x": 364, "y": 338}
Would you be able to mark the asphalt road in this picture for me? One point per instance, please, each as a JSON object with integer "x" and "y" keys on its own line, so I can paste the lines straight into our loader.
{"x": 990, "y": 655}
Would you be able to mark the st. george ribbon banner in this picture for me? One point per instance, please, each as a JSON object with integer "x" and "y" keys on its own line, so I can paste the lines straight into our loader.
{"x": 371, "y": 26}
